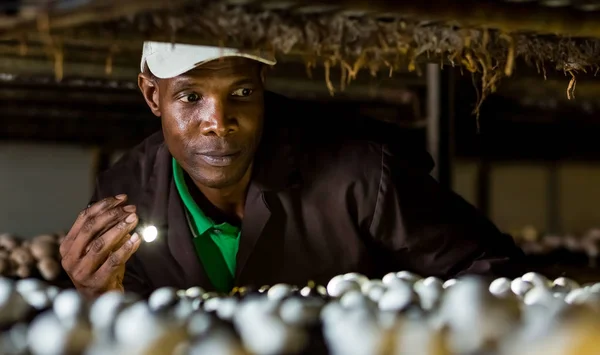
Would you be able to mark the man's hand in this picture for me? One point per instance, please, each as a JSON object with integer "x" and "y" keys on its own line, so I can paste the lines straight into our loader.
{"x": 95, "y": 250}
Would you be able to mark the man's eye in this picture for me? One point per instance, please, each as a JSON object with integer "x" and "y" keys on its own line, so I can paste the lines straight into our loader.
{"x": 190, "y": 98}
{"x": 242, "y": 92}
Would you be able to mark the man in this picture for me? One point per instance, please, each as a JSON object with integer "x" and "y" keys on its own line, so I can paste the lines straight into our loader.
{"x": 247, "y": 188}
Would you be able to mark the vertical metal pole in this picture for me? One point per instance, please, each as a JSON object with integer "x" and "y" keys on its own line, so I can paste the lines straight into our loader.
{"x": 433, "y": 116}
{"x": 447, "y": 113}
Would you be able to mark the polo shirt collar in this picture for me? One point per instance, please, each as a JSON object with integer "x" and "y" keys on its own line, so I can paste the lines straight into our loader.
{"x": 203, "y": 223}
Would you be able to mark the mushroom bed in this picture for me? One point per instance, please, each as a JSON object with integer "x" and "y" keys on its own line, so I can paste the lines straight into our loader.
{"x": 400, "y": 314}
{"x": 37, "y": 257}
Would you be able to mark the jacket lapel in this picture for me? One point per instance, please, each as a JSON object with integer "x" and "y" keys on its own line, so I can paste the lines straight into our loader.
{"x": 256, "y": 216}
{"x": 274, "y": 170}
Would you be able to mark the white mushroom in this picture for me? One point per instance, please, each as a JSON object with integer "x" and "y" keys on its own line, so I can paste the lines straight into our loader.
{"x": 49, "y": 268}
{"x": 49, "y": 336}
{"x": 13, "y": 307}
{"x": 279, "y": 291}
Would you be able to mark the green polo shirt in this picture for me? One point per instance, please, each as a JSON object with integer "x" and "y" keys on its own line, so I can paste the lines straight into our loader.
{"x": 216, "y": 244}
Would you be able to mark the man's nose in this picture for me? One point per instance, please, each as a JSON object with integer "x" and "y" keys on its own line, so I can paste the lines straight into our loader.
{"x": 215, "y": 120}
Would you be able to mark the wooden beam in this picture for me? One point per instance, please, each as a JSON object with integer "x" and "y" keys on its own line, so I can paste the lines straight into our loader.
{"x": 508, "y": 17}
{"x": 97, "y": 11}
{"x": 42, "y": 67}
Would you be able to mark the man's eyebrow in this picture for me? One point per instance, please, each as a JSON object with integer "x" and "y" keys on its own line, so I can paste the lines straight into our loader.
{"x": 243, "y": 81}
{"x": 183, "y": 81}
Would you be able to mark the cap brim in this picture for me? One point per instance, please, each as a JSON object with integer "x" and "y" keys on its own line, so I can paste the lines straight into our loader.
{"x": 180, "y": 59}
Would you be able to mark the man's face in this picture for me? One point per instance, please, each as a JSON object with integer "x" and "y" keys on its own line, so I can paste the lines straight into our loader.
{"x": 212, "y": 118}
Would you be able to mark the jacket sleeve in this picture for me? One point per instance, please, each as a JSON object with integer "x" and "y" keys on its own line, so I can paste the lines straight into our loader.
{"x": 432, "y": 231}
{"x": 134, "y": 279}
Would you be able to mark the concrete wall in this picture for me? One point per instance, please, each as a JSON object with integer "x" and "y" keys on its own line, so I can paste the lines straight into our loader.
{"x": 519, "y": 194}
{"x": 43, "y": 187}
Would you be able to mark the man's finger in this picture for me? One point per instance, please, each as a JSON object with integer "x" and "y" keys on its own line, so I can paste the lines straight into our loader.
{"x": 102, "y": 246}
{"x": 121, "y": 242}
{"x": 97, "y": 225}
{"x": 126, "y": 210}
{"x": 83, "y": 217}
{"x": 98, "y": 208}
{"x": 117, "y": 259}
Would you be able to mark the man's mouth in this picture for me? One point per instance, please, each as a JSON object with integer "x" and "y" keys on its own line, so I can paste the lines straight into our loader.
{"x": 219, "y": 158}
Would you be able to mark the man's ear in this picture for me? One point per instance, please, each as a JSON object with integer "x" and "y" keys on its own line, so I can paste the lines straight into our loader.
{"x": 149, "y": 89}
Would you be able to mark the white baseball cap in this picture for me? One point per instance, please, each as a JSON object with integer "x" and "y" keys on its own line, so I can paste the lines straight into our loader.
{"x": 168, "y": 60}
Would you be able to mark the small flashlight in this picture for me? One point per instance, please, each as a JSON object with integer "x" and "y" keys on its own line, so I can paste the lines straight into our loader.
{"x": 149, "y": 234}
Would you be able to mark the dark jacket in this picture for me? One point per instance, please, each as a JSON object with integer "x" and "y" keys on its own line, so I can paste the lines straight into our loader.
{"x": 320, "y": 203}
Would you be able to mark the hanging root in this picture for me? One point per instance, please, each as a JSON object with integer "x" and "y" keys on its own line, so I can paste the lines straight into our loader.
{"x": 490, "y": 76}
{"x": 349, "y": 72}
{"x": 571, "y": 87}
{"x": 330, "y": 87}
{"x": 23, "y": 46}
{"x": 545, "y": 74}
{"x": 479, "y": 101}
{"x": 343, "y": 79}
{"x": 309, "y": 65}
{"x": 354, "y": 43}
{"x": 59, "y": 63}
{"x": 109, "y": 63}
{"x": 362, "y": 59}
{"x": 54, "y": 48}
{"x": 510, "y": 56}
{"x": 412, "y": 65}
